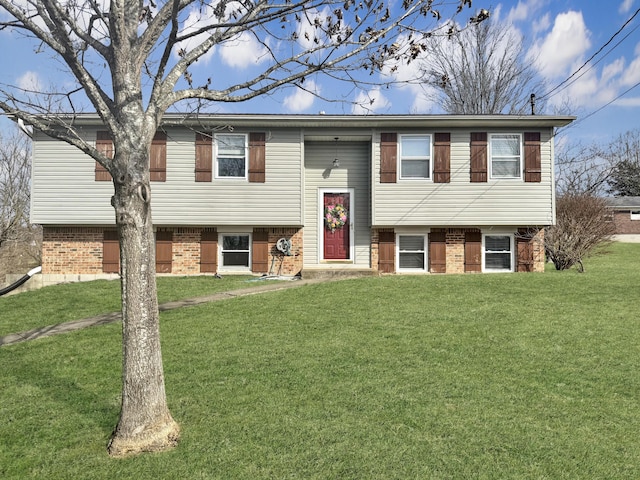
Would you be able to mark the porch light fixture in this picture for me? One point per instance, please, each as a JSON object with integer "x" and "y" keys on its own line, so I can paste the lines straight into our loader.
{"x": 336, "y": 161}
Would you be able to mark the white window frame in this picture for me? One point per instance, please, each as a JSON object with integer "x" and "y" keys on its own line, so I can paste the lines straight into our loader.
{"x": 634, "y": 215}
{"x": 216, "y": 153}
{"x": 428, "y": 158}
{"x": 512, "y": 257}
{"x": 233, "y": 268}
{"x": 424, "y": 251}
{"x": 492, "y": 157}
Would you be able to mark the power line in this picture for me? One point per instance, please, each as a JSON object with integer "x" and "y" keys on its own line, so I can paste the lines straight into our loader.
{"x": 549, "y": 95}
{"x": 599, "y": 109}
{"x": 590, "y": 58}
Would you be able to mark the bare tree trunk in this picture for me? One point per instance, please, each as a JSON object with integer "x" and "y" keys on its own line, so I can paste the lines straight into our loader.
{"x": 145, "y": 422}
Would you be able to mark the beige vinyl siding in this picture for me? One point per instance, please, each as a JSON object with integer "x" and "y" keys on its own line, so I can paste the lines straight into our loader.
{"x": 460, "y": 202}
{"x": 63, "y": 186}
{"x": 65, "y": 191}
{"x": 354, "y": 172}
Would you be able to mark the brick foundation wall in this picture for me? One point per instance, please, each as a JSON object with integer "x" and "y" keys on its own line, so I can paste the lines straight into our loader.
{"x": 375, "y": 249}
{"x": 186, "y": 251}
{"x": 538, "y": 252}
{"x": 455, "y": 249}
{"x": 455, "y": 254}
{"x": 79, "y": 250}
{"x": 72, "y": 250}
{"x": 280, "y": 264}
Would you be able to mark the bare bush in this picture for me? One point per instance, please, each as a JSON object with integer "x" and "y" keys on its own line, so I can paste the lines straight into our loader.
{"x": 583, "y": 222}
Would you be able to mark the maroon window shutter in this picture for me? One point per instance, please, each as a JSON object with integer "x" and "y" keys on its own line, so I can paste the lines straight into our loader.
{"x": 388, "y": 157}
{"x": 110, "y": 252}
{"x": 386, "y": 252}
{"x": 479, "y": 153}
{"x": 532, "y": 157}
{"x": 164, "y": 251}
{"x": 524, "y": 250}
{"x": 437, "y": 252}
{"x": 104, "y": 145}
{"x": 204, "y": 157}
{"x": 260, "y": 251}
{"x": 158, "y": 158}
{"x": 257, "y": 154}
{"x": 442, "y": 158}
{"x": 209, "y": 250}
{"x": 472, "y": 252}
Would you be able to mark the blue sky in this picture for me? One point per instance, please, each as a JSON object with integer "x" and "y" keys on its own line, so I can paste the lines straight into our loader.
{"x": 561, "y": 34}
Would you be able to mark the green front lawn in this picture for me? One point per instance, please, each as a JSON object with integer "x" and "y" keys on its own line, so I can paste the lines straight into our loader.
{"x": 531, "y": 376}
{"x": 74, "y": 301}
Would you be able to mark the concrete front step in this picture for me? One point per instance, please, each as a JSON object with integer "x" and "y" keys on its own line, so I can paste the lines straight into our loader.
{"x": 318, "y": 273}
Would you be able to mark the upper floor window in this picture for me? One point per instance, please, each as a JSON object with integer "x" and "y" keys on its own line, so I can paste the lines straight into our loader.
{"x": 506, "y": 155}
{"x": 231, "y": 155}
{"x": 415, "y": 156}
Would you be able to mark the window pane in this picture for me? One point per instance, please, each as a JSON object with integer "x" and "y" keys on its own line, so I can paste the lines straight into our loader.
{"x": 235, "y": 242}
{"x": 231, "y": 167}
{"x": 411, "y": 242}
{"x": 231, "y": 144}
{"x": 415, "y": 169}
{"x": 494, "y": 243}
{"x": 505, "y": 168}
{"x": 235, "y": 259}
{"x": 412, "y": 260}
{"x": 416, "y": 146}
{"x": 498, "y": 261}
{"x": 505, "y": 145}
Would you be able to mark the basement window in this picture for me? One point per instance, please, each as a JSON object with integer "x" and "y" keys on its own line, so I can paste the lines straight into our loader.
{"x": 235, "y": 252}
{"x": 497, "y": 253}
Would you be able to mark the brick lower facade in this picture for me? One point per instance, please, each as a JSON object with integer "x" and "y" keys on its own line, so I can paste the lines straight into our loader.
{"x": 75, "y": 250}
{"x": 79, "y": 250}
{"x": 455, "y": 248}
{"x": 281, "y": 264}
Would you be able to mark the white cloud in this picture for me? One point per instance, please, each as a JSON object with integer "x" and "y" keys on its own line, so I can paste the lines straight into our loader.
{"x": 628, "y": 102}
{"x": 243, "y": 51}
{"x": 542, "y": 24}
{"x": 302, "y": 100}
{"x": 631, "y": 75}
{"x": 524, "y": 11}
{"x": 564, "y": 47}
{"x": 625, "y": 6}
{"x": 309, "y": 36}
{"x": 370, "y": 102}
{"x": 613, "y": 69}
{"x": 30, "y": 81}
{"x": 193, "y": 23}
{"x": 519, "y": 12}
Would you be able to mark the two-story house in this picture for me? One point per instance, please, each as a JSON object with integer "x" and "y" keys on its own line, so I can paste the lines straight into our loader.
{"x": 290, "y": 194}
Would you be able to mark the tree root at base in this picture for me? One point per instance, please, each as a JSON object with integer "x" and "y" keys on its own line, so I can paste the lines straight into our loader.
{"x": 159, "y": 439}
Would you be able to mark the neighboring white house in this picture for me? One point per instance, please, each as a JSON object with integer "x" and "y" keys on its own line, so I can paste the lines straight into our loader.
{"x": 421, "y": 193}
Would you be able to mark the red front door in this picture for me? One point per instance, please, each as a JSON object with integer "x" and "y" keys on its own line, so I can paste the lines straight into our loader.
{"x": 336, "y": 242}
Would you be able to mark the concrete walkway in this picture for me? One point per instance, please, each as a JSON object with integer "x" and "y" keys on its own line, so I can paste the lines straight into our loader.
{"x": 48, "y": 331}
